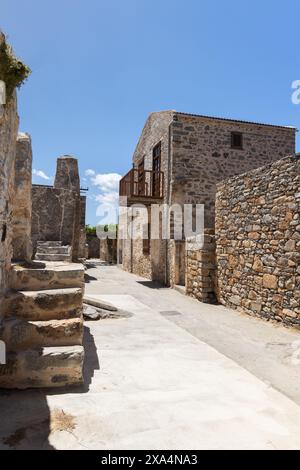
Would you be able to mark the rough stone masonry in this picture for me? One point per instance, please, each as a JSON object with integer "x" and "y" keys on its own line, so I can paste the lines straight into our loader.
{"x": 58, "y": 212}
{"x": 9, "y": 123}
{"x": 258, "y": 241}
{"x": 22, "y": 247}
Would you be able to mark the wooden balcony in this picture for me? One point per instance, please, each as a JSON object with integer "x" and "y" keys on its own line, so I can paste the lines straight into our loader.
{"x": 142, "y": 185}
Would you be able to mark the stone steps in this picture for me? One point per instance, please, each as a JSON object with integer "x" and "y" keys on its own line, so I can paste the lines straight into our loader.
{"x": 42, "y": 326}
{"x": 53, "y": 257}
{"x": 54, "y": 250}
{"x": 19, "y": 334}
{"x": 49, "y": 244}
{"x": 43, "y": 305}
{"x": 53, "y": 276}
{"x": 43, "y": 367}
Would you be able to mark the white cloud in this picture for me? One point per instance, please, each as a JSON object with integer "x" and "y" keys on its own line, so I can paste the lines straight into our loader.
{"x": 108, "y": 198}
{"x": 89, "y": 172}
{"x": 107, "y": 182}
{"x": 40, "y": 174}
{"x": 107, "y": 195}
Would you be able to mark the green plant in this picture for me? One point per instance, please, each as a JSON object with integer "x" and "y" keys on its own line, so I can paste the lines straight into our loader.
{"x": 90, "y": 230}
{"x": 13, "y": 72}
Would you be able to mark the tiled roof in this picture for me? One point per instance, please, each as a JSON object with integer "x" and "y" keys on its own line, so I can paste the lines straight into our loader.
{"x": 237, "y": 121}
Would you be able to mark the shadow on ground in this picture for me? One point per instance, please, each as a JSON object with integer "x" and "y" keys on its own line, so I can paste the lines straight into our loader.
{"x": 152, "y": 284}
{"x": 27, "y": 421}
{"x": 88, "y": 278}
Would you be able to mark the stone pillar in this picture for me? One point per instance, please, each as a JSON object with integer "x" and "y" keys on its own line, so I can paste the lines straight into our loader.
{"x": 67, "y": 178}
{"x": 8, "y": 136}
{"x": 22, "y": 207}
{"x": 67, "y": 174}
{"x": 201, "y": 269}
{"x": 82, "y": 233}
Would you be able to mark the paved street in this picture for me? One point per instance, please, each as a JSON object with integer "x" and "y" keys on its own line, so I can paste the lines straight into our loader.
{"x": 175, "y": 374}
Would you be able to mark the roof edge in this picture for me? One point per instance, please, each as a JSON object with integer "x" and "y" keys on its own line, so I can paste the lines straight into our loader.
{"x": 214, "y": 118}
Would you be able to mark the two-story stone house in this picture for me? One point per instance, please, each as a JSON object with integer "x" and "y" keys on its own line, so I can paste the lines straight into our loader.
{"x": 179, "y": 159}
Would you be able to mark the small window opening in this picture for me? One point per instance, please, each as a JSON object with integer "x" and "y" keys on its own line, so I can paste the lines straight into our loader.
{"x": 236, "y": 140}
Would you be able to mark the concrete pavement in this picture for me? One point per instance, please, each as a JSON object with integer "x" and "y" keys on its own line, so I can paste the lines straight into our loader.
{"x": 156, "y": 380}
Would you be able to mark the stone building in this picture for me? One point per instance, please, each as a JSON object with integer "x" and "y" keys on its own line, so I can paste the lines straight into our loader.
{"x": 179, "y": 159}
{"x": 58, "y": 211}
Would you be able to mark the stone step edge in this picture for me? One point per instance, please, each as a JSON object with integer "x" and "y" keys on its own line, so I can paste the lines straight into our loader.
{"x": 59, "y": 366}
{"x": 20, "y": 334}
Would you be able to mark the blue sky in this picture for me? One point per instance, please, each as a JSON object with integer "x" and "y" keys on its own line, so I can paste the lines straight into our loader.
{"x": 99, "y": 68}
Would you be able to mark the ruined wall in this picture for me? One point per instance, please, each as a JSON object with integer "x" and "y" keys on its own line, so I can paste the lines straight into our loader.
{"x": 67, "y": 178}
{"x": 58, "y": 212}
{"x": 8, "y": 136}
{"x": 93, "y": 246}
{"x": 201, "y": 268}
{"x": 67, "y": 174}
{"x": 202, "y": 155}
{"x": 53, "y": 215}
{"x": 258, "y": 242}
{"x": 22, "y": 247}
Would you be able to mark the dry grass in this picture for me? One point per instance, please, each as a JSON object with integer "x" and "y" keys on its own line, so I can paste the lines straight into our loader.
{"x": 61, "y": 421}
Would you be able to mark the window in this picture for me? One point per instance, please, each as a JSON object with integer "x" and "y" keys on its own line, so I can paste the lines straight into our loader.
{"x": 141, "y": 177}
{"x": 236, "y": 140}
{"x": 146, "y": 241}
{"x": 156, "y": 167}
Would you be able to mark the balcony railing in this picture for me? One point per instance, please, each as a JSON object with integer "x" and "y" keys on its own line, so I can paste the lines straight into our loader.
{"x": 142, "y": 184}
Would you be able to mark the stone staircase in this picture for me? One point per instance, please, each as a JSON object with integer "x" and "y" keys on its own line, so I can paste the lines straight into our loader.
{"x": 43, "y": 326}
{"x": 53, "y": 251}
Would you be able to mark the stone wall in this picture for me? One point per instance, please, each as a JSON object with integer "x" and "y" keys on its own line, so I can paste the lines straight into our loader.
{"x": 22, "y": 246}
{"x": 58, "y": 212}
{"x": 201, "y": 268}
{"x": 258, "y": 242}
{"x": 93, "y": 246}
{"x": 67, "y": 174}
{"x": 53, "y": 215}
{"x": 82, "y": 242}
{"x": 108, "y": 250}
{"x": 67, "y": 178}
{"x": 9, "y": 122}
